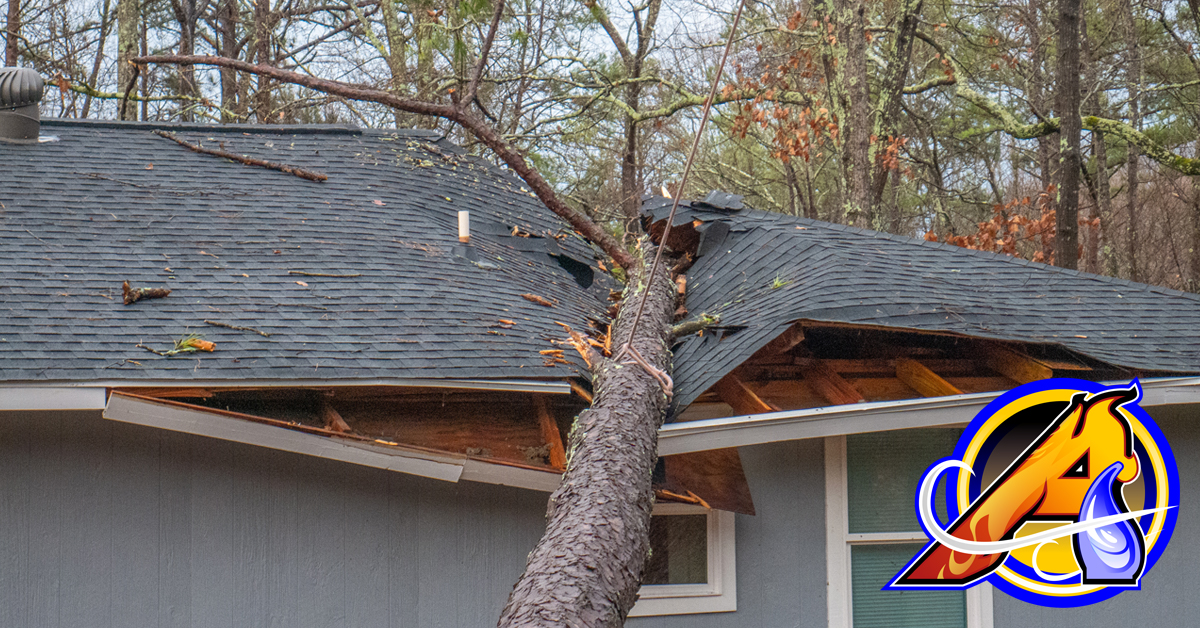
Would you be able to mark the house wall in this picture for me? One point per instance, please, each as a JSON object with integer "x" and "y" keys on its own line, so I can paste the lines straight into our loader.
{"x": 1169, "y": 592}
{"x": 104, "y": 524}
{"x": 780, "y": 550}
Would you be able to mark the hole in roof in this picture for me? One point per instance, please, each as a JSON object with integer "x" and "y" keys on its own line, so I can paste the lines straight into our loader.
{"x": 582, "y": 273}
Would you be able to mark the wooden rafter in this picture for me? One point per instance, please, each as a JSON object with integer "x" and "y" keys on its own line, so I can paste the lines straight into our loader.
{"x": 734, "y": 392}
{"x": 923, "y": 380}
{"x": 1015, "y": 366}
{"x": 333, "y": 420}
{"x": 550, "y": 433}
{"x": 831, "y": 386}
{"x": 784, "y": 342}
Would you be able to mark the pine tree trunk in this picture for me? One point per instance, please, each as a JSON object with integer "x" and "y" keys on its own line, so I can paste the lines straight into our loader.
{"x": 128, "y": 39}
{"x": 857, "y": 150}
{"x": 586, "y": 570}
{"x": 12, "y": 28}
{"x": 1067, "y": 232}
{"x": 1133, "y": 82}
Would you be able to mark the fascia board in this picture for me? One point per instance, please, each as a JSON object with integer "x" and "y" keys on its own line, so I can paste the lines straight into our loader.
{"x": 738, "y": 431}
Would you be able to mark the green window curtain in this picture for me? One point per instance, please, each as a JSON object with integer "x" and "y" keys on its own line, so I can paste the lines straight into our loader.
{"x": 883, "y": 470}
{"x": 873, "y": 566}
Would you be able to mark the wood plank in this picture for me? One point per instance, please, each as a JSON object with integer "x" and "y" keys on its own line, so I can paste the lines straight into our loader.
{"x": 923, "y": 380}
{"x": 550, "y": 433}
{"x": 783, "y": 343}
{"x": 981, "y": 384}
{"x": 734, "y": 392}
{"x": 583, "y": 393}
{"x": 715, "y": 476}
{"x": 882, "y": 388}
{"x": 831, "y": 386}
{"x": 1015, "y": 366}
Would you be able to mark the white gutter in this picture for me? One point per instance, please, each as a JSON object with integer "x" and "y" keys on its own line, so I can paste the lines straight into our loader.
{"x": 52, "y": 398}
{"x": 754, "y": 429}
{"x": 214, "y": 424}
{"x": 510, "y": 385}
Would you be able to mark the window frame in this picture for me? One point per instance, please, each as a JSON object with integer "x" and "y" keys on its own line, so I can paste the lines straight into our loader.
{"x": 719, "y": 594}
{"x": 839, "y": 541}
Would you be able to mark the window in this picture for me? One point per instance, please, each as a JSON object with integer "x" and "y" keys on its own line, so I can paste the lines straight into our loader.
{"x": 872, "y": 532}
{"x": 691, "y": 568}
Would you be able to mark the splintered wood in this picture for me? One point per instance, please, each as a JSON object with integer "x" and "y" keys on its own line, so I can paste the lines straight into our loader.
{"x": 133, "y": 295}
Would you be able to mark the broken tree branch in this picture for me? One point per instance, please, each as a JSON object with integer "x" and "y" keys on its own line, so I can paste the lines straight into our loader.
{"x": 239, "y": 328}
{"x": 459, "y": 115}
{"x": 250, "y": 161}
{"x": 306, "y": 274}
{"x": 697, "y": 325}
{"x": 133, "y": 295}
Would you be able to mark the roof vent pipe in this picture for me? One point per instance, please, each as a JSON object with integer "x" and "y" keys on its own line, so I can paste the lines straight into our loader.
{"x": 20, "y": 92}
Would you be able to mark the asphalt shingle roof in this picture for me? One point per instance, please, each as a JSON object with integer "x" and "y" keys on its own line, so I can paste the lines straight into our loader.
{"x": 110, "y": 202}
{"x": 772, "y": 270}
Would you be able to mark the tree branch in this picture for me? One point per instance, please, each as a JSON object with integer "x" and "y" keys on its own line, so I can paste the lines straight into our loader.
{"x": 484, "y": 133}
{"x": 477, "y": 71}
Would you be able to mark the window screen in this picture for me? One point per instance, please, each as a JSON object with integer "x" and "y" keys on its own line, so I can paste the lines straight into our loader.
{"x": 883, "y": 470}
{"x": 872, "y": 566}
{"x": 678, "y": 550}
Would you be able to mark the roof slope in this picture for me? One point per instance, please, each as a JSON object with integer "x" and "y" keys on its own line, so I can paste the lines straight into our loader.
{"x": 110, "y": 202}
{"x": 772, "y": 270}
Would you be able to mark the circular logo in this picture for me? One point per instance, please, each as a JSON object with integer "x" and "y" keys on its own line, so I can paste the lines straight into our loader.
{"x": 1061, "y": 493}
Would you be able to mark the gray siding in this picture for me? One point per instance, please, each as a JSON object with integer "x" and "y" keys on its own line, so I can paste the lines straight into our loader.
{"x": 781, "y": 550}
{"x": 1170, "y": 594}
{"x": 111, "y": 525}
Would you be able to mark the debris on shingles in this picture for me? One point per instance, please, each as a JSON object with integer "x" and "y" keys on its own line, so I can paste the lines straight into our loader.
{"x": 133, "y": 295}
{"x": 249, "y": 161}
{"x": 188, "y": 344}
{"x": 507, "y": 324}
{"x": 307, "y": 274}
{"x": 487, "y": 453}
{"x": 539, "y": 300}
{"x": 536, "y": 455}
{"x": 238, "y": 327}
{"x": 577, "y": 341}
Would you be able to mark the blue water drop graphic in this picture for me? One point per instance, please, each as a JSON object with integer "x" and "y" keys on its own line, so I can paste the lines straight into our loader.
{"x": 1111, "y": 554}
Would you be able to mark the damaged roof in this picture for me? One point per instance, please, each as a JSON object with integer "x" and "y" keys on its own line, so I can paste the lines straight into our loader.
{"x": 762, "y": 272}
{"x": 353, "y": 278}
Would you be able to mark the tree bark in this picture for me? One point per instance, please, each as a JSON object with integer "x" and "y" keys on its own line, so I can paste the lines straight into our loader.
{"x": 128, "y": 45}
{"x": 857, "y": 125}
{"x": 1133, "y": 83}
{"x": 1067, "y": 232}
{"x": 895, "y": 74}
{"x": 587, "y": 568}
{"x": 1101, "y": 186}
{"x": 263, "y": 33}
{"x": 12, "y": 30}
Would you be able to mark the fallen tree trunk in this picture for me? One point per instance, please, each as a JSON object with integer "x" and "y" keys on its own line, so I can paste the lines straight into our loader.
{"x": 587, "y": 568}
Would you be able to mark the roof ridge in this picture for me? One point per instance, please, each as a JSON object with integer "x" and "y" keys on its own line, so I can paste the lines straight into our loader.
{"x": 282, "y": 129}
{"x": 1000, "y": 257}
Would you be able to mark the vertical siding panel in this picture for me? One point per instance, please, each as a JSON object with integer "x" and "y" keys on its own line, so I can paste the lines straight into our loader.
{"x": 85, "y": 542}
{"x": 321, "y": 514}
{"x": 212, "y": 534}
{"x": 251, "y": 529}
{"x": 440, "y": 554}
{"x": 16, "y": 469}
{"x": 369, "y": 529}
{"x": 404, "y": 576}
{"x": 175, "y": 548}
{"x": 282, "y": 542}
{"x": 135, "y": 525}
{"x": 46, "y": 516}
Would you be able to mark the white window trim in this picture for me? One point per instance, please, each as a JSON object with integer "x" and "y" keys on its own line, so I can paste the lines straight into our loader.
{"x": 838, "y": 542}
{"x": 719, "y": 594}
